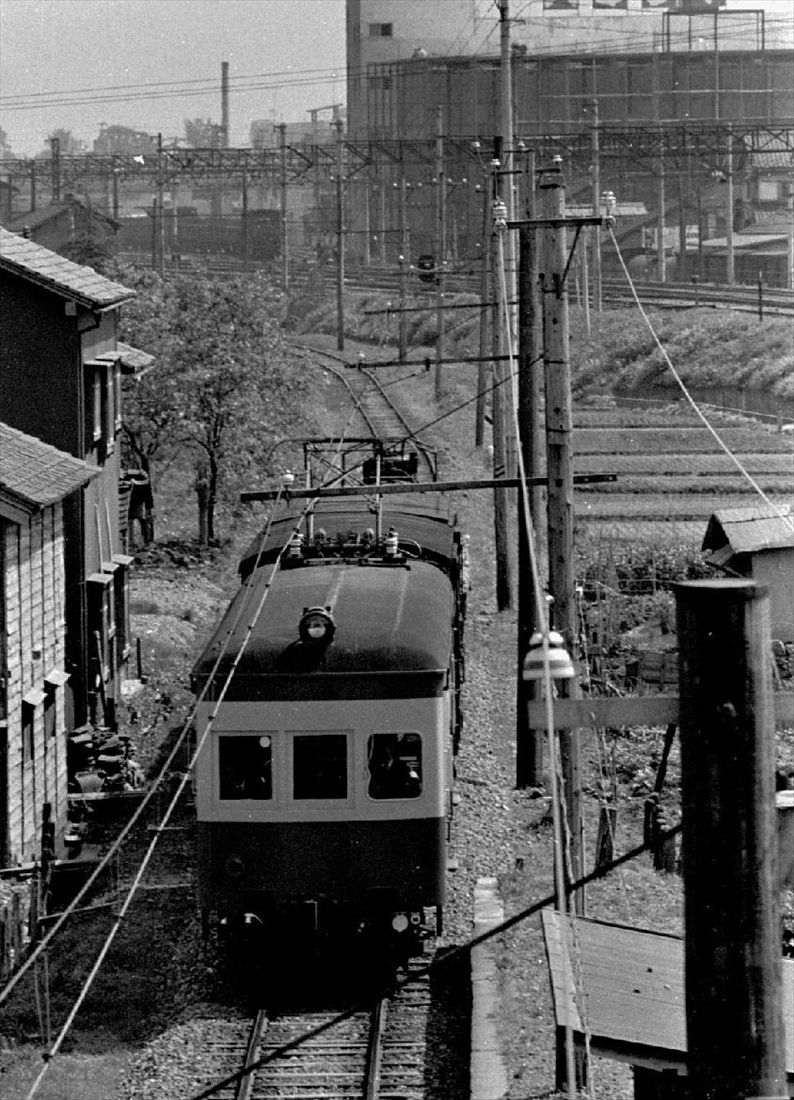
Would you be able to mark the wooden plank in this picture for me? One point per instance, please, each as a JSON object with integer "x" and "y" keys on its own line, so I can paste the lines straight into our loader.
{"x": 632, "y": 710}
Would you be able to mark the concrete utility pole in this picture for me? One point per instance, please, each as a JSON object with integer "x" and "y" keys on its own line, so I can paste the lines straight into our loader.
{"x": 499, "y": 405}
{"x": 661, "y": 255}
{"x": 559, "y": 458}
{"x": 731, "y": 898}
{"x": 441, "y": 243}
{"x": 340, "y": 235}
{"x": 485, "y": 313}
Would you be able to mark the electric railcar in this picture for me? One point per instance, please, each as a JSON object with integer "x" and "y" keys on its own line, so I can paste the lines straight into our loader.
{"x": 323, "y": 787}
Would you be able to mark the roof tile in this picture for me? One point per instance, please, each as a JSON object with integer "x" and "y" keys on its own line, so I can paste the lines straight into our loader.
{"x": 35, "y": 473}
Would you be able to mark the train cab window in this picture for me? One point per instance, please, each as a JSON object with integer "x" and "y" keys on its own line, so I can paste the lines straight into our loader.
{"x": 319, "y": 763}
{"x": 395, "y": 765}
{"x": 245, "y": 766}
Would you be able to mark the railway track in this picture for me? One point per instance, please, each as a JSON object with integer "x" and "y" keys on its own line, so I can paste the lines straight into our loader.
{"x": 378, "y": 415}
{"x": 372, "y": 1054}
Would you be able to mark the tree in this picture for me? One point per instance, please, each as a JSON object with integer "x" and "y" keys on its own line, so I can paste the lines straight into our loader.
{"x": 219, "y": 392}
{"x": 202, "y": 133}
{"x": 68, "y": 144}
{"x": 6, "y": 152}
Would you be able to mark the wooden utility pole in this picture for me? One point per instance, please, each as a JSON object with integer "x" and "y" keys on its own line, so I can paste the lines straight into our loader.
{"x": 340, "y": 236}
{"x": 55, "y": 169}
{"x": 733, "y": 950}
{"x": 441, "y": 243}
{"x": 559, "y": 459}
{"x": 224, "y": 104}
{"x": 160, "y": 218}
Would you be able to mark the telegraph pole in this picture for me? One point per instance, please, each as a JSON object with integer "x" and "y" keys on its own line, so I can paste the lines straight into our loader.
{"x": 731, "y": 271}
{"x": 282, "y": 146}
{"x": 661, "y": 257}
{"x": 405, "y": 252}
{"x": 224, "y": 104}
{"x": 441, "y": 244}
{"x": 485, "y": 287}
{"x": 340, "y": 236}
{"x": 55, "y": 168}
{"x": 529, "y": 743}
{"x": 736, "y": 1039}
{"x": 596, "y": 231}
{"x": 160, "y": 218}
{"x": 559, "y": 432}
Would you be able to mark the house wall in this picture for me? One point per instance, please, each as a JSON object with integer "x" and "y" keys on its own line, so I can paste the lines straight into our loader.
{"x": 775, "y": 570}
{"x": 33, "y": 594}
{"x": 49, "y": 361}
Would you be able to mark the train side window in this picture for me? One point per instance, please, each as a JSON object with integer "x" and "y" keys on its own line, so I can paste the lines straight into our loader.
{"x": 319, "y": 763}
{"x": 395, "y": 765}
{"x": 245, "y": 766}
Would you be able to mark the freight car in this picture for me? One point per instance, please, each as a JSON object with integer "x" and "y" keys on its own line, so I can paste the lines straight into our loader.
{"x": 329, "y": 724}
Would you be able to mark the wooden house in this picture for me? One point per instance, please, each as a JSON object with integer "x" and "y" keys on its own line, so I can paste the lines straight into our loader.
{"x": 60, "y": 381}
{"x": 35, "y": 480}
{"x": 756, "y": 542}
{"x": 61, "y": 224}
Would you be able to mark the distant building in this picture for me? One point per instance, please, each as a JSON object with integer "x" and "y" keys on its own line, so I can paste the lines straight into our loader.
{"x": 123, "y": 139}
{"x": 35, "y": 482}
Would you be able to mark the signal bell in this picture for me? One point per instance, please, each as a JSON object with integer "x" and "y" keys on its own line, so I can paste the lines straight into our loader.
{"x": 560, "y": 663}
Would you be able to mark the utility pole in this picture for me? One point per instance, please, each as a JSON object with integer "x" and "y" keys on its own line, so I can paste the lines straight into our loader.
{"x": 55, "y": 168}
{"x": 405, "y": 252}
{"x": 244, "y": 212}
{"x": 485, "y": 289}
{"x": 559, "y": 458}
{"x": 510, "y": 311}
{"x": 734, "y": 1020}
{"x": 661, "y": 256}
{"x": 730, "y": 277}
{"x": 160, "y": 217}
{"x": 529, "y": 743}
{"x": 340, "y": 235}
{"x": 504, "y": 594}
{"x": 282, "y": 148}
{"x": 596, "y": 231}
{"x": 441, "y": 243}
{"x": 224, "y": 104}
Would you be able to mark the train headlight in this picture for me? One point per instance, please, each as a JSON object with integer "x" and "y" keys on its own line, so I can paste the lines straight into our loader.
{"x": 399, "y": 922}
{"x": 560, "y": 663}
{"x": 317, "y": 626}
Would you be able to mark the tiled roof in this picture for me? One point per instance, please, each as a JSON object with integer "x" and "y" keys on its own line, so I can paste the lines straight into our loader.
{"x": 47, "y": 269}
{"x": 134, "y": 360}
{"x": 33, "y": 219}
{"x": 748, "y": 529}
{"x": 34, "y": 474}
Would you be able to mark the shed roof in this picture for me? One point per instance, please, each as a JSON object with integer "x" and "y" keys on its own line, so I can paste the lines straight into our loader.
{"x": 34, "y": 474}
{"x": 134, "y": 360}
{"x": 37, "y": 264}
{"x": 632, "y": 981}
{"x": 745, "y": 530}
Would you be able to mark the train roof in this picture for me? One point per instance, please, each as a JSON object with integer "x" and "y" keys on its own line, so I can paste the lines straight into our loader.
{"x": 389, "y": 618}
{"x": 340, "y": 517}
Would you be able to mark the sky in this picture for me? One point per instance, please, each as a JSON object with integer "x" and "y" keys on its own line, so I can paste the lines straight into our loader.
{"x": 75, "y": 64}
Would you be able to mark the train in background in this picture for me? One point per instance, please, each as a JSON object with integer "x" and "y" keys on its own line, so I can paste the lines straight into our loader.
{"x": 325, "y": 771}
{"x": 186, "y": 232}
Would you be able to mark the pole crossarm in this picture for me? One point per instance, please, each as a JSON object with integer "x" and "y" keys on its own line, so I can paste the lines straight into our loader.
{"x": 400, "y": 488}
{"x": 608, "y": 711}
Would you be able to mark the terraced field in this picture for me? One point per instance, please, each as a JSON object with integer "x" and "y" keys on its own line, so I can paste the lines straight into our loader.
{"x": 671, "y": 473}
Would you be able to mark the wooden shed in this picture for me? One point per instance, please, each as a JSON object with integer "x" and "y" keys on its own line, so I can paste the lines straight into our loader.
{"x": 758, "y": 542}
{"x": 35, "y": 480}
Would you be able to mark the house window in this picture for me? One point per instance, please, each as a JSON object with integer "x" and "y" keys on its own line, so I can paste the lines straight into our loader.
{"x": 110, "y": 408}
{"x": 50, "y": 712}
{"x": 381, "y": 30}
{"x": 28, "y": 732}
{"x": 121, "y": 599}
{"x": 770, "y": 190}
{"x": 97, "y": 402}
{"x": 117, "y": 393}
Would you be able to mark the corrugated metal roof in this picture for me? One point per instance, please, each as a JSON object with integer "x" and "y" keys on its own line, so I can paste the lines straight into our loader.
{"x": 632, "y": 983}
{"x": 47, "y": 269}
{"x": 746, "y": 530}
{"x": 34, "y": 474}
